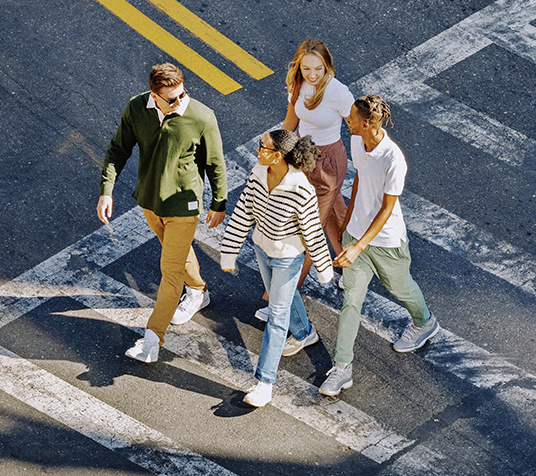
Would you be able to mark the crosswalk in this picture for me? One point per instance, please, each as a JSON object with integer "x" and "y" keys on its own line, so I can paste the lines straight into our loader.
{"x": 77, "y": 273}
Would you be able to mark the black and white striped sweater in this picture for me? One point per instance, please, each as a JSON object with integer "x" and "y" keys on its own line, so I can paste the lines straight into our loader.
{"x": 286, "y": 219}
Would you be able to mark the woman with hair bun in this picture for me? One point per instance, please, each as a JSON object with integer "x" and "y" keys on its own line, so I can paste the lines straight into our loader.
{"x": 282, "y": 204}
{"x": 317, "y": 104}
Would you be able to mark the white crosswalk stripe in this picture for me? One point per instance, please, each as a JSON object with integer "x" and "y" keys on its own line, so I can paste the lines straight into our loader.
{"x": 401, "y": 82}
{"x": 99, "y": 421}
{"x": 76, "y": 272}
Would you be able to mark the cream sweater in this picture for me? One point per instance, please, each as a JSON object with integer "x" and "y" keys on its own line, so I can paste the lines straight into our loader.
{"x": 286, "y": 219}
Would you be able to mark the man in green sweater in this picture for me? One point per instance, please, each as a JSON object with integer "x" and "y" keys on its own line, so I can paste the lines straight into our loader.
{"x": 179, "y": 142}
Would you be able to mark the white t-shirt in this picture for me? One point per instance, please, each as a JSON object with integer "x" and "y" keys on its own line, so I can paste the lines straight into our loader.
{"x": 323, "y": 123}
{"x": 381, "y": 171}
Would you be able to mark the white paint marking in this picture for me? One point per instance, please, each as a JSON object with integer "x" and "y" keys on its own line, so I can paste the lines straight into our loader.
{"x": 465, "y": 240}
{"x": 506, "y": 23}
{"x": 99, "y": 421}
{"x": 235, "y": 365}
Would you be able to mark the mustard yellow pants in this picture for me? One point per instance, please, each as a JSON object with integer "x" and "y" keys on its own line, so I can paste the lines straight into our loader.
{"x": 178, "y": 265}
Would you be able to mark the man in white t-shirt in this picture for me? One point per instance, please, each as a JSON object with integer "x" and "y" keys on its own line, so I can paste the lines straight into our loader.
{"x": 375, "y": 240}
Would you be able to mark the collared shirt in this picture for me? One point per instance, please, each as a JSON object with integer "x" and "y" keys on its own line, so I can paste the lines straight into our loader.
{"x": 151, "y": 104}
{"x": 380, "y": 171}
{"x": 175, "y": 155}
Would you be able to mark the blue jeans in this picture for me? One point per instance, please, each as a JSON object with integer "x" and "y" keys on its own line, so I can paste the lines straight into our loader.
{"x": 287, "y": 312}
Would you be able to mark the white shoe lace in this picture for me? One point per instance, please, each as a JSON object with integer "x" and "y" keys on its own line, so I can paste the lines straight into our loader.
{"x": 186, "y": 302}
{"x": 410, "y": 332}
{"x": 143, "y": 344}
{"x": 334, "y": 373}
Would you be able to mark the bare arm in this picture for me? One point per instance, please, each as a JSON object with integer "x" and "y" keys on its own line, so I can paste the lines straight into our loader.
{"x": 291, "y": 120}
{"x": 348, "y": 255}
{"x": 350, "y": 209}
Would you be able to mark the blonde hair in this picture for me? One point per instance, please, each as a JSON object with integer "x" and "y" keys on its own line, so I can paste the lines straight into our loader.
{"x": 295, "y": 77}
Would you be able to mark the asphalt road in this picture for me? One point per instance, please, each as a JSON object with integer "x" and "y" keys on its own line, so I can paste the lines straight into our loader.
{"x": 459, "y": 76}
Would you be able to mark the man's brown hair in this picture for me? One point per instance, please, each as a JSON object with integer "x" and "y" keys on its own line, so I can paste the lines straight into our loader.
{"x": 165, "y": 75}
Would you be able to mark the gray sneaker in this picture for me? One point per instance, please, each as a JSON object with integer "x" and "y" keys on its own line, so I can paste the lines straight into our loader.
{"x": 415, "y": 337}
{"x": 339, "y": 377}
{"x": 293, "y": 346}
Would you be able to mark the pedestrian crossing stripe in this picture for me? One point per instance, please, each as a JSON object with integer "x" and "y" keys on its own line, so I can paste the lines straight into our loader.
{"x": 75, "y": 272}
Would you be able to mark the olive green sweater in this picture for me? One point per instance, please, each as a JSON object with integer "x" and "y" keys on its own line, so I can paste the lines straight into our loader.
{"x": 174, "y": 157}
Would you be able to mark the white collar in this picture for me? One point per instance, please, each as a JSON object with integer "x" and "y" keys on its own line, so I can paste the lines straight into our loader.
{"x": 292, "y": 180}
{"x": 151, "y": 104}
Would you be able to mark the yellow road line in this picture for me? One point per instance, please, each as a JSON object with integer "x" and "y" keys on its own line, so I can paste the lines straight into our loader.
{"x": 171, "y": 45}
{"x": 213, "y": 38}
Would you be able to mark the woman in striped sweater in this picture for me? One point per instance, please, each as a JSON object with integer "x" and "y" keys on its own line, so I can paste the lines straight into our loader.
{"x": 280, "y": 200}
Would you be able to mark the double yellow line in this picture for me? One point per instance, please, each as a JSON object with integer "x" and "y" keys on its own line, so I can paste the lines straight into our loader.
{"x": 182, "y": 53}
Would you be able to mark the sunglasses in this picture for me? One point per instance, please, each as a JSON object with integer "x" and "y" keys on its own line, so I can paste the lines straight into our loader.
{"x": 180, "y": 97}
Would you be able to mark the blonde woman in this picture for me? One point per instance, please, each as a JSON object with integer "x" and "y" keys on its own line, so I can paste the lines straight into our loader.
{"x": 318, "y": 103}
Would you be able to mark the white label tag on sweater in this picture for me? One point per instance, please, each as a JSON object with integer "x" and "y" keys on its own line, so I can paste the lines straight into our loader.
{"x": 193, "y": 205}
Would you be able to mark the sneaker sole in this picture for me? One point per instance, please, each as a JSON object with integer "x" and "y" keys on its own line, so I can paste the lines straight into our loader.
{"x": 334, "y": 394}
{"x": 295, "y": 351}
{"x": 261, "y": 316}
{"x": 148, "y": 360}
{"x": 411, "y": 349}
{"x": 177, "y": 322}
{"x": 256, "y": 405}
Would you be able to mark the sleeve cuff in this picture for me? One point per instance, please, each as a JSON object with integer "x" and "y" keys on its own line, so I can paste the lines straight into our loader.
{"x": 325, "y": 276}
{"x": 218, "y": 206}
{"x": 106, "y": 188}
{"x": 227, "y": 261}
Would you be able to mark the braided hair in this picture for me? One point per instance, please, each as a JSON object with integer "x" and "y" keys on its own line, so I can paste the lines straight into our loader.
{"x": 374, "y": 109}
{"x": 301, "y": 153}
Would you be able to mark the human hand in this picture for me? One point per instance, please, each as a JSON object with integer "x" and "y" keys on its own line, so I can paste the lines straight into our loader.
{"x": 104, "y": 208}
{"x": 214, "y": 218}
{"x": 347, "y": 256}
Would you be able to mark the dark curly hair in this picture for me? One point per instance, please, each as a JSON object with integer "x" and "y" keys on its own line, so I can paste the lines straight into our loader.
{"x": 301, "y": 153}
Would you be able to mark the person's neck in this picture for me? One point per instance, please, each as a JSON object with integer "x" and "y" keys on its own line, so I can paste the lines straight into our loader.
{"x": 276, "y": 173}
{"x": 373, "y": 138}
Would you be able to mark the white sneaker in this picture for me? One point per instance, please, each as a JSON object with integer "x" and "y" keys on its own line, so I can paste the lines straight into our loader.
{"x": 191, "y": 301}
{"x": 262, "y": 314}
{"x": 293, "y": 346}
{"x": 259, "y": 395}
{"x": 145, "y": 349}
